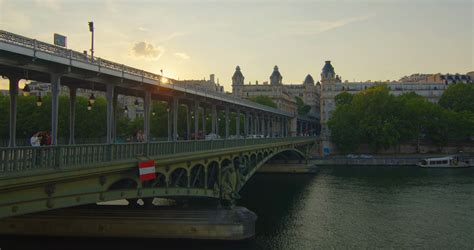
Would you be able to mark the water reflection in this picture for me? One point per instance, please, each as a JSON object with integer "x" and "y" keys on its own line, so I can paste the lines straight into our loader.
{"x": 340, "y": 207}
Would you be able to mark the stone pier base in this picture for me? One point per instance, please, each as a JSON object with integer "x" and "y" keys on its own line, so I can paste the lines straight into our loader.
{"x": 216, "y": 224}
{"x": 289, "y": 168}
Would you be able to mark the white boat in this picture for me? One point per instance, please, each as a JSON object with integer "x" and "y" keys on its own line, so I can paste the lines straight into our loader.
{"x": 453, "y": 161}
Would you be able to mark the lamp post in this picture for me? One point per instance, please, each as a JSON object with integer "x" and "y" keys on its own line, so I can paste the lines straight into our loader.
{"x": 91, "y": 29}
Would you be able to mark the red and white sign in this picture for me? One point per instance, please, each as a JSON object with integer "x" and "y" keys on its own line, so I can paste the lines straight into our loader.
{"x": 147, "y": 170}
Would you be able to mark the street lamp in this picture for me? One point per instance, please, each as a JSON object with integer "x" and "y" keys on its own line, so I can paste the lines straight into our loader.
{"x": 26, "y": 90}
{"x": 125, "y": 109}
{"x": 39, "y": 101}
{"x": 91, "y": 29}
{"x": 89, "y": 105}
{"x": 136, "y": 103}
{"x": 92, "y": 98}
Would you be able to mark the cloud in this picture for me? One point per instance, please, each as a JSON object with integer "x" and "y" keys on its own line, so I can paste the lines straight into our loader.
{"x": 147, "y": 50}
{"x": 142, "y": 29}
{"x": 315, "y": 27}
{"x": 171, "y": 36}
{"x": 182, "y": 55}
{"x": 52, "y": 4}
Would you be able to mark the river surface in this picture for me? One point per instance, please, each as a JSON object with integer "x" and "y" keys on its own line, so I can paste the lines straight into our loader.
{"x": 340, "y": 207}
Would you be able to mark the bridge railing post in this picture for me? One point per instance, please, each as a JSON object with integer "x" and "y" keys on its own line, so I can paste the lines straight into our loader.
{"x": 109, "y": 151}
{"x": 57, "y": 156}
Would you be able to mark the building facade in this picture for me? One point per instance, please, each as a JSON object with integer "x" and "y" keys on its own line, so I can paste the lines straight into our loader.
{"x": 282, "y": 94}
{"x": 204, "y": 85}
{"x": 429, "y": 86}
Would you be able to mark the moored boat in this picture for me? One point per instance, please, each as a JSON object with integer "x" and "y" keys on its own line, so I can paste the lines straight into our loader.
{"x": 453, "y": 161}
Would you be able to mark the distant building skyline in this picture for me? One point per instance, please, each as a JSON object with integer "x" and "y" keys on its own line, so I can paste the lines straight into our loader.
{"x": 377, "y": 40}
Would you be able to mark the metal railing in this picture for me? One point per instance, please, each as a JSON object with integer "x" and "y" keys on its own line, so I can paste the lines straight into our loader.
{"x": 19, "y": 159}
{"x": 52, "y": 49}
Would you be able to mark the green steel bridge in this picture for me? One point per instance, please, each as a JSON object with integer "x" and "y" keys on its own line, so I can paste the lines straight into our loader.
{"x": 34, "y": 179}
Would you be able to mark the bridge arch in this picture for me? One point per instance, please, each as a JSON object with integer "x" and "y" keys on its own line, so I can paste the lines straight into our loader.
{"x": 197, "y": 177}
{"x": 258, "y": 164}
{"x": 179, "y": 178}
{"x": 124, "y": 183}
{"x": 212, "y": 175}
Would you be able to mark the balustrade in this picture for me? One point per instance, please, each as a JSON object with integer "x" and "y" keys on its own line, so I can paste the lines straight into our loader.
{"x": 19, "y": 159}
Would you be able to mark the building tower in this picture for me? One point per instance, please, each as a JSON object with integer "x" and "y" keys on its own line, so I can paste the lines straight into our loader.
{"x": 276, "y": 78}
{"x": 328, "y": 75}
{"x": 237, "y": 82}
{"x": 308, "y": 80}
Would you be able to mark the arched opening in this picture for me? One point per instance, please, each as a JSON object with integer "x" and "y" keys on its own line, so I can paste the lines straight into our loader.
{"x": 124, "y": 184}
{"x": 198, "y": 176}
{"x": 160, "y": 180}
{"x": 259, "y": 157}
{"x": 212, "y": 175}
{"x": 179, "y": 178}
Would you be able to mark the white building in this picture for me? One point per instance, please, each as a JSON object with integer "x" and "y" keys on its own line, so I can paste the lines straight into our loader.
{"x": 331, "y": 86}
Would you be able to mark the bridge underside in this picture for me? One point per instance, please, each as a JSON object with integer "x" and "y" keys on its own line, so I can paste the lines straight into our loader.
{"x": 216, "y": 175}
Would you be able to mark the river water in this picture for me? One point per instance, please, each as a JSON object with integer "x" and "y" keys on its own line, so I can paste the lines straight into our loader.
{"x": 340, "y": 207}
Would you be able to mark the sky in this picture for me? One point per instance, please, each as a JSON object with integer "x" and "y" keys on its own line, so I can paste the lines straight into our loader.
{"x": 191, "y": 39}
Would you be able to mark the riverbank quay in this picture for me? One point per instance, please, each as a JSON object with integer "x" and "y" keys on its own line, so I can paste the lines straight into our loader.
{"x": 374, "y": 160}
{"x": 237, "y": 223}
{"x": 288, "y": 168}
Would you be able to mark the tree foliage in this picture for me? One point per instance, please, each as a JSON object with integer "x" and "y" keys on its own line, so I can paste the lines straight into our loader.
{"x": 382, "y": 120}
{"x": 343, "y": 98}
{"x": 458, "y": 97}
{"x": 264, "y": 100}
{"x": 302, "y": 108}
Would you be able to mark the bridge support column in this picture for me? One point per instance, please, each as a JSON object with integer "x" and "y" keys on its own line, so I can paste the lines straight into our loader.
{"x": 255, "y": 124}
{"x": 188, "y": 122}
{"x": 72, "y": 114}
{"x": 217, "y": 122}
{"x": 169, "y": 111}
{"x": 282, "y": 127}
{"x": 146, "y": 120}
{"x": 227, "y": 122}
{"x": 13, "y": 109}
{"x": 269, "y": 132}
{"x": 237, "y": 124}
{"x": 214, "y": 119}
{"x": 246, "y": 124}
{"x": 204, "y": 118}
{"x": 114, "y": 116}
{"x": 110, "y": 112}
{"x": 196, "y": 119}
{"x": 175, "y": 118}
{"x": 55, "y": 87}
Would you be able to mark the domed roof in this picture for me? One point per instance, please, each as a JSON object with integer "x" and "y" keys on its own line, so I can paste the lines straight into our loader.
{"x": 238, "y": 77}
{"x": 276, "y": 77}
{"x": 237, "y": 73}
{"x": 328, "y": 68}
{"x": 308, "y": 80}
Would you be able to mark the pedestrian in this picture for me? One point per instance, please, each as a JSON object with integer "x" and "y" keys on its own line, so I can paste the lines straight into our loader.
{"x": 35, "y": 140}
{"x": 48, "y": 138}
{"x": 140, "y": 136}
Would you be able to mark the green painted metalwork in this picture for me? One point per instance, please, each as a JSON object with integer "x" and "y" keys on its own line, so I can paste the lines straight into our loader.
{"x": 20, "y": 159}
{"x": 43, "y": 178}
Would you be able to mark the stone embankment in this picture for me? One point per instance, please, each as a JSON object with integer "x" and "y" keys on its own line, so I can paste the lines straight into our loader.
{"x": 370, "y": 160}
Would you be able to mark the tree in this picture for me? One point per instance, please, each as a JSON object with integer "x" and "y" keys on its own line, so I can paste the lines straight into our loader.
{"x": 343, "y": 118}
{"x": 458, "y": 97}
{"x": 343, "y": 98}
{"x": 264, "y": 100}
{"x": 302, "y": 108}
